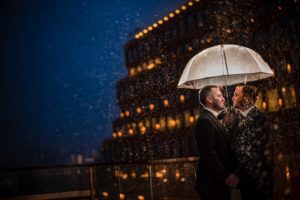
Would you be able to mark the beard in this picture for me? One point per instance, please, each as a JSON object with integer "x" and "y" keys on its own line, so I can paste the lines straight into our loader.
{"x": 217, "y": 106}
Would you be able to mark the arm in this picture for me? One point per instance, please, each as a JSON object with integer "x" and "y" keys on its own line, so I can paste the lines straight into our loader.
{"x": 205, "y": 137}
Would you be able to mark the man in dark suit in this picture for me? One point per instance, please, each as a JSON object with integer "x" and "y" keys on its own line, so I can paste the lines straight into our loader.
{"x": 249, "y": 142}
{"x": 213, "y": 146}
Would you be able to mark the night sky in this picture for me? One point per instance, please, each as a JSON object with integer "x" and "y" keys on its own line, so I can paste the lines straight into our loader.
{"x": 60, "y": 61}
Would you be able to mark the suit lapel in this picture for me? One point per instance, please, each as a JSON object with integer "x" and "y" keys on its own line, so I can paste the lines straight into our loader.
{"x": 216, "y": 121}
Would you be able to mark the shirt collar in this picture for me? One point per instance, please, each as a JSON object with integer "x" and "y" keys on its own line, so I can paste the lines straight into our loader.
{"x": 246, "y": 112}
{"x": 215, "y": 113}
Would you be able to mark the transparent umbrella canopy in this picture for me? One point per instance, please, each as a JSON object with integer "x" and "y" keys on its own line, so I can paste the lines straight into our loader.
{"x": 224, "y": 65}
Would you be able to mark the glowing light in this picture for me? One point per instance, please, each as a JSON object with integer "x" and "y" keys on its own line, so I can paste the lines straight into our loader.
{"x": 190, "y": 3}
{"x": 139, "y": 69}
{"x": 192, "y": 119}
{"x": 181, "y": 98}
{"x": 105, "y": 194}
{"x": 228, "y": 30}
{"x": 252, "y": 20}
{"x": 166, "y": 103}
{"x": 150, "y": 66}
{"x": 289, "y": 68}
{"x": 160, "y": 21}
{"x": 122, "y": 196}
{"x": 166, "y": 18}
{"x": 157, "y": 126}
{"x": 127, "y": 113}
{"x": 280, "y": 102}
{"x": 151, "y": 106}
{"x": 159, "y": 175}
{"x": 141, "y": 34}
{"x": 114, "y": 135}
{"x": 164, "y": 171}
{"x": 182, "y": 179}
{"x": 157, "y": 61}
{"x": 183, "y": 7}
{"x": 130, "y": 131}
{"x": 122, "y": 114}
{"x": 155, "y": 25}
{"x": 133, "y": 174}
{"x": 190, "y": 48}
{"x": 139, "y": 110}
{"x": 280, "y": 156}
{"x": 145, "y": 31}
{"x": 137, "y": 36}
{"x": 177, "y": 173}
{"x": 141, "y": 197}
{"x": 132, "y": 71}
{"x": 125, "y": 176}
{"x": 165, "y": 180}
{"x": 143, "y": 130}
{"x": 287, "y": 173}
{"x": 150, "y": 28}
{"x": 283, "y": 89}
{"x": 120, "y": 134}
{"x": 171, "y": 15}
{"x": 279, "y": 8}
{"x": 264, "y": 105}
{"x": 177, "y": 11}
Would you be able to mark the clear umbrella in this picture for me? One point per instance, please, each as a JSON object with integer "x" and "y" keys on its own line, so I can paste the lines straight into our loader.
{"x": 224, "y": 65}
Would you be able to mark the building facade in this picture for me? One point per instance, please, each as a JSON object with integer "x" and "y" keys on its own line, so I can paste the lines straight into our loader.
{"x": 157, "y": 119}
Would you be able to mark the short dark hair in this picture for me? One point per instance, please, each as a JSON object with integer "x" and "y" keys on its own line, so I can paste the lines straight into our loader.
{"x": 204, "y": 92}
{"x": 250, "y": 91}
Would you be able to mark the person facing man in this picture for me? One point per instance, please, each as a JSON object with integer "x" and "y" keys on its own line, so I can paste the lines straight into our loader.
{"x": 213, "y": 177}
{"x": 249, "y": 135}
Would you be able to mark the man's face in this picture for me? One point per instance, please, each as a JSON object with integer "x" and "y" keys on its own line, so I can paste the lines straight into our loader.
{"x": 216, "y": 99}
{"x": 238, "y": 97}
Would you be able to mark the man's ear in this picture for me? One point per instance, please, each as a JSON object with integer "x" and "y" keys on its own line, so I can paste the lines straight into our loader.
{"x": 209, "y": 99}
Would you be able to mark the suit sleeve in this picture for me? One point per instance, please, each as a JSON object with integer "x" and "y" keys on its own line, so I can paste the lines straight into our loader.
{"x": 205, "y": 138}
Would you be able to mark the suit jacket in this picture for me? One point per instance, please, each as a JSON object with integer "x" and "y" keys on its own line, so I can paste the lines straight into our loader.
{"x": 249, "y": 142}
{"x": 214, "y": 152}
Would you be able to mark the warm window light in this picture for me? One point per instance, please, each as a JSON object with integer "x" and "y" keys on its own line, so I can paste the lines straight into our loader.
{"x": 139, "y": 69}
{"x": 159, "y": 175}
{"x": 122, "y": 114}
{"x": 132, "y": 71}
{"x": 114, "y": 135}
{"x": 177, "y": 173}
{"x": 150, "y": 66}
{"x": 171, "y": 15}
{"x": 287, "y": 173}
{"x": 289, "y": 68}
{"x": 280, "y": 102}
{"x": 125, "y": 176}
{"x": 165, "y": 180}
{"x": 145, "y": 31}
{"x": 130, "y": 131}
{"x": 192, "y": 119}
{"x": 120, "y": 134}
{"x": 283, "y": 89}
{"x": 150, "y": 28}
{"x": 160, "y": 21}
{"x": 182, "y": 179}
{"x": 166, "y": 18}
{"x": 177, "y": 11}
{"x": 157, "y": 126}
{"x": 264, "y": 105}
{"x": 181, "y": 98}
{"x": 143, "y": 130}
{"x": 166, "y": 103}
{"x": 139, "y": 110}
{"x": 157, "y": 61}
{"x": 133, "y": 174}
{"x": 151, "y": 106}
{"x": 190, "y": 3}
{"x": 141, "y": 197}
{"x": 127, "y": 113}
{"x": 122, "y": 196}
{"x": 155, "y": 25}
{"x": 105, "y": 194}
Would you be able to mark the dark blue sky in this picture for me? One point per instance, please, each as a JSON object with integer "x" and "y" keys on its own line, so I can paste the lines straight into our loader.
{"x": 60, "y": 61}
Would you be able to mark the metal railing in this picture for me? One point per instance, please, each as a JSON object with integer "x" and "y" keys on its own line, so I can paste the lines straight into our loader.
{"x": 160, "y": 179}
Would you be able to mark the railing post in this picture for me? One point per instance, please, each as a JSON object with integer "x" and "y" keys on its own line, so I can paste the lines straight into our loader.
{"x": 91, "y": 178}
{"x": 150, "y": 180}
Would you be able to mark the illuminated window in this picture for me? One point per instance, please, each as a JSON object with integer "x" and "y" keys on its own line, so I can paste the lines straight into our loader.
{"x": 157, "y": 61}
{"x": 166, "y": 103}
{"x": 132, "y": 72}
{"x": 151, "y": 106}
{"x": 105, "y": 194}
{"x": 139, "y": 69}
{"x": 178, "y": 121}
{"x": 114, "y": 135}
{"x": 122, "y": 196}
{"x": 171, "y": 123}
{"x": 150, "y": 66}
{"x": 181, "y": 98}
{"x": 138, "y": 110}
{"x": 143, "y": 130}
{"x": 162, "y": 122}
{"x": 130, "y": 131}
{"x": 289, "y": 97}
{"x": 121, "y": 115}
{"x": 120, "y": 134}
{"x": 272, "y": 96}
{"x": 127, "y": 113}
{"x": 289, "y": 68}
